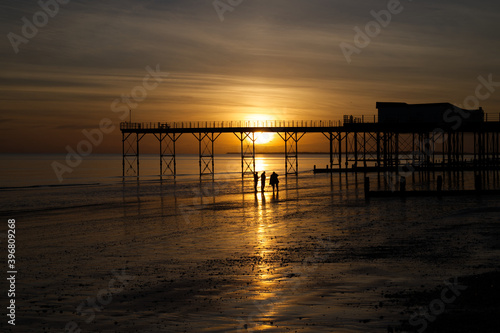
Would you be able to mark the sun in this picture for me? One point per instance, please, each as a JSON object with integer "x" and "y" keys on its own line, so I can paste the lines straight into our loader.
{"x": 263, "y": 137}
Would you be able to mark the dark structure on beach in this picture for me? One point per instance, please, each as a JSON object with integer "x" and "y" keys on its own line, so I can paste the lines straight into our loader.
{"x": 423, "y": 137}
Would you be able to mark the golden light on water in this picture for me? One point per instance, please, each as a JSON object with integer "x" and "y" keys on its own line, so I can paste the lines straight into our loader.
{"x": 260, "y": 164}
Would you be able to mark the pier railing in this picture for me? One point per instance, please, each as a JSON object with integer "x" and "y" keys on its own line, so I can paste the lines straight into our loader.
{"x": 371, "y": 119}
{"x": 347, "y": 119}
{"x": 232, "y": 124}
{"x": 363, "y": 119}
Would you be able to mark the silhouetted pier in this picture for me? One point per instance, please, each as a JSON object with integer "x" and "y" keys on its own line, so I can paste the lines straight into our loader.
{"x": 425, "y": 137}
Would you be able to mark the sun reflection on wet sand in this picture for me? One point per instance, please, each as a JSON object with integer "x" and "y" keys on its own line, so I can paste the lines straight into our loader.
{"x": 265, "y": 279}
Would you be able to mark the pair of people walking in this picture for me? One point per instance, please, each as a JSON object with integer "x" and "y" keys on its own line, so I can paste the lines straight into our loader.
{"x": 273, "y": 181}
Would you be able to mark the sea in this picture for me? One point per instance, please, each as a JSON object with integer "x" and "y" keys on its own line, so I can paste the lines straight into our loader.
{"x": 211, "y": 254}
{"x": 25, "y": 170}
{"x": 38, "y": 170}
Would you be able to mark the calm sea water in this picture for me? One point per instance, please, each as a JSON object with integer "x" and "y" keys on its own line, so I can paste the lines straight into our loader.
{"x": 28, "y": 182}
{"x": 24, "y": 170}
{"x": 214, "y": 255}
{"x": 19, "y": 171}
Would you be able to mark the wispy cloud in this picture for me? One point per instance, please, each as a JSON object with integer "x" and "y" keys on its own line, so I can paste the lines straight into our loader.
{"x": 266, "y": 57}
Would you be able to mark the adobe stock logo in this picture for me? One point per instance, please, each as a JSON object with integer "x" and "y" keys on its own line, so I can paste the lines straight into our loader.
{"x": 371, "y": 30}
{"x": 222, "y": 7}
{"x": 437, "y": 306}
{"x": 40, "y": 19}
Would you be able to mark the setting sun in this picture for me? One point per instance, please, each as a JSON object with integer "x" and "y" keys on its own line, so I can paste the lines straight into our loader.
{"x": 263, "y": 138}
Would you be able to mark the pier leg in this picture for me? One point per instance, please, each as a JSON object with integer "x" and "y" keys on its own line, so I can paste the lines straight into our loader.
{"x": 332, "y": 138}
{"x": 369, "y": 149}
{"x": 130, "y": 154}
{"x": 168, "y": 163}
{"x": 396, "y": 151}
{"x": 402, "y": 184}
{"x": 331, "y": 150}
{"x": 137, "y": 142}
{"x": 385, "y": 151}
{"x": 291, "y": 140}
{"x": 475, "y": 150}
{"x": 340, "y": 149}
{"x": 247, "y": 140}
{"x": 346, "y": 151}
{"x": 478, "y": 182}
{"x": 365, "y": 143}
{"x": 379, "y": 161}
{"x": 355, "y": 149}
{"x": 123, "y": 154}
{"x": 206, "y": 152}
{"x": 444, "y": 137}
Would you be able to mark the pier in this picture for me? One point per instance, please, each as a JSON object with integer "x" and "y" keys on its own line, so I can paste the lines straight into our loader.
{"x": 390, "y": 141}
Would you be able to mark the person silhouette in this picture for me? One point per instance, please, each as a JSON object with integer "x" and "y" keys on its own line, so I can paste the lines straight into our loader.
{"x": 273, "y": 181}
{"x": 255, "y": 180}
{"x": 263, "y": 181}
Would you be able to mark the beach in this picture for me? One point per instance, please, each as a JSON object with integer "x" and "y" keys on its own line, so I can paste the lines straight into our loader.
{"x": 214, "y": 256}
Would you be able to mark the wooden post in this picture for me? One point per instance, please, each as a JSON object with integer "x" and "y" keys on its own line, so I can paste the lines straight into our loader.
{"x": 477, "y": 182}
{"x": 367, "y": 187}
{"x": 402, "y": 184}
{"x": 439, "y": 183}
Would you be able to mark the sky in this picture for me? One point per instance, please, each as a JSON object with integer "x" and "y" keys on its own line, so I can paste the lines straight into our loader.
{"x": 231, "y": 60}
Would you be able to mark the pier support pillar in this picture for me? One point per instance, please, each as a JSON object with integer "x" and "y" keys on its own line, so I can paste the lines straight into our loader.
{"x": 130, "y": 154}
{"x": 396, "y": 151}
{"x": 367, "y": 149}
{"x": 291, "y": 151}
{"x": 206, "y": 152}
{"x": 379, "y": 159}
{"x": 168, "y": 164}
{"x": 356, "y": 149}
{"x": 247, "y": 140}
{"x": 334, "y": 149}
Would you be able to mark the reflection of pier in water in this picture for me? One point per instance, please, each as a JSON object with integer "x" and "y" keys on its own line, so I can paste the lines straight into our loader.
{"x": 423, "y": 137}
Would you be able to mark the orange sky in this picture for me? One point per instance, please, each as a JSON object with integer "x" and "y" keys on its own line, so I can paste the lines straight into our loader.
{"x": 266, "y": 60}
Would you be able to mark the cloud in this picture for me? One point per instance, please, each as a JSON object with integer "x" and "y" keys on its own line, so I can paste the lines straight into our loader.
{"x": 266, "y": 57}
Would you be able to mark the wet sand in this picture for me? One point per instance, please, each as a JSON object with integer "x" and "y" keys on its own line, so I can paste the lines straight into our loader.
{"x": 316, "y": 258}
{"x": 463, "y": 304}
